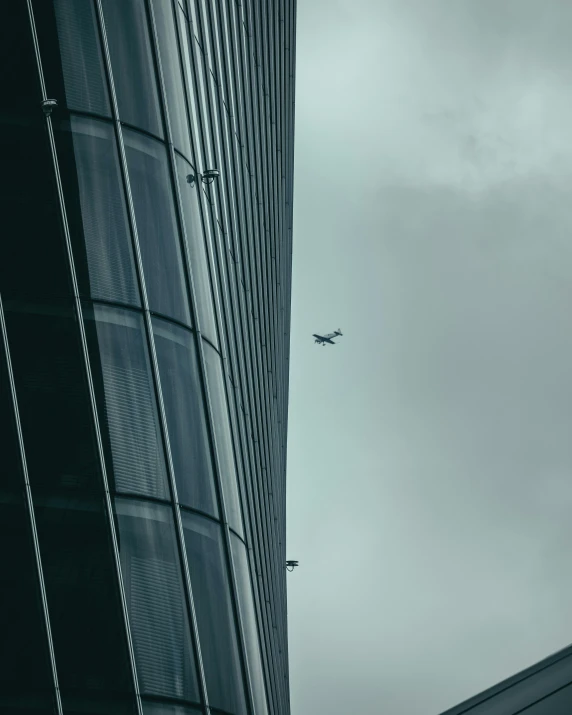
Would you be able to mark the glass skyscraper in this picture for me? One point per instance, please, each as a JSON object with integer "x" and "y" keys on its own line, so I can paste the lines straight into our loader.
{"x": 145, "y": 273}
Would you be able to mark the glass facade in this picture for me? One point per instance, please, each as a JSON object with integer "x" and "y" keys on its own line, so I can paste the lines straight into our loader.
{"x": 543, "y": 689}
{"x": 144, "y": 342}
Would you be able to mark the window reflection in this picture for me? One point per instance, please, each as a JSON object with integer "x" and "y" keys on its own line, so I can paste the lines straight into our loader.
{"x": 127, "y": 408}
{"x": 223, "y": 436}
{"x": 246, "y": 604}
{"x": 197, "y": 249}
{"x": 87, "y": 622}
{"x": 156, "y": 601}
{"x": 81, "y": 57}
{"x": 186, "y": 416}
{"x": 132, "y": 64}
{"x": 172, "y": 75}
{"x": 53, "y": 397}
{"x": 25, "y": 676}
{"x": 215, "y": 618}
{"x": 156, "y": 225}
{"x": 97, "y": 213}
{"x": 151, "y": 708}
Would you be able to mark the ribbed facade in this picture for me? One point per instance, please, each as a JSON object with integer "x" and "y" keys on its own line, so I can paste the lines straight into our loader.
{"x": 145, "y": 276}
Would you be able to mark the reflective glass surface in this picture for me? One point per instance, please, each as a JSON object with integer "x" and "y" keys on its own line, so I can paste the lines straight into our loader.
{"x": 25, "y": 675}
{"x": 127, "y": 408}
{"x": 558, "y": 703}
{"x": 197, "y": 248}
{"x": 248, "y": 612}
{"x": 53, "y": 397}
{"x": 154, "y": 708}
{"x": 223, "y": 436}
{"x": 185, "y": 412}
{"x": 155, "y": 600}
{"x": 33, "y": 259}
{"x": 81, "y": 56}
{"x": 83, "y": 600}
{"x": 96, "y": 210}
{"x": 156, "y": 225}
{"x": 172, "y": 75}
{"x": 215, "y": 617}
{"x": 132, "y": 64}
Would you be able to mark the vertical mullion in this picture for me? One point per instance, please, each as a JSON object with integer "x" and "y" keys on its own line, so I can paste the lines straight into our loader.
{"x": 77, "y": 303}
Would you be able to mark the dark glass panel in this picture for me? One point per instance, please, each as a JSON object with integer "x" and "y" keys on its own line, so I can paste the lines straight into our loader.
{"x": 53, "y": 398}
{"x": 25, "y": 676}
{"x": 72, "y": 59}
{"x": 197, "y": 249}
{"x": 156, "y": 225}
{"x": 223, "y": 437}
{"x": 33, "y": 258}
{"x": 132, "y": 64}
{"x": 96, "y": 210}
{"x": 83, "y": 600}
{"x": 186, "y": 418}
{"x": 11, "y": 475}
{"x": 249, "y": 623}
{"x": 127, "y": 408}
{"x": 215, "y": 617}
{"x": 156, "y": 708}
{"x": 156, "y": 601}
{"x": 172, "y": 75}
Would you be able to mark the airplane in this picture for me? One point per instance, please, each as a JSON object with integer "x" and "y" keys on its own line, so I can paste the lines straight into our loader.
{"x": 323, "y": 339}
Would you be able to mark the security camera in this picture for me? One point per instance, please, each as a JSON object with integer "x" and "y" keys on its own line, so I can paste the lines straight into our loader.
{"x": 209, "y": 175}
{"x": 48, "y": 105}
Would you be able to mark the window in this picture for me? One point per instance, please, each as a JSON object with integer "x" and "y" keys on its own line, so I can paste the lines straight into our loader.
{"x": 223, "y": 436}
{"x": 186, "y": 416}
{"x": 81, "y": 57}
{"x": 172, "y": 75}
{"x": 96, "y": 210}
{"x": 252, "y": 642}
{"x": 87, "y": 622}
{"x": 197, "y": 250}
{"x": 127, "y": 409}
{"x": 53, "y": 398}
{"x": 157, "y": 226}
{"x": 215, "y": 617}
{"x": 132, "y": 64}
{"x": 156, "y": 600}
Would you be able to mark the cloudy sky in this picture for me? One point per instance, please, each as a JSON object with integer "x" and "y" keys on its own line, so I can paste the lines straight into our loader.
{"x": 430, "y": 451}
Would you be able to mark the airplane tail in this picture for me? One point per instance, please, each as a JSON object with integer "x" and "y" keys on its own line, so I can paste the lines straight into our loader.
{"x": 339, "y": 332}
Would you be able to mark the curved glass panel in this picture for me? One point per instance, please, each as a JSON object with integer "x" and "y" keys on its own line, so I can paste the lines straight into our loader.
{"x": 153, "y": 708}
{"x": 197, "y": 249}
{"x": 156, "y": 600}
{"x": 223, "y": 437}
{"x": 83, "y": 601}
{"x": 81, "y": 57}
{"x": 157, "y": 229}
{"x": 96, "y": 209}
{"x": 53, "y": 398}
{"x": 215, "y": 617}
{"x": 172, "y": 75}
{"x": 248, "y": 612}
{"x": 186, "y": 418}
{"x": 127, "y": 409}
{"x": 132, "y": 64}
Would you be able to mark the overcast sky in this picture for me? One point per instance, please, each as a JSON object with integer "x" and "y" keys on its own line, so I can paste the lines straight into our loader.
{"x": 430, "y": 450}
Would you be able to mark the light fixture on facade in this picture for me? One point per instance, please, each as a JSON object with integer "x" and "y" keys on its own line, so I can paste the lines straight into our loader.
{"x": 210, "y": 175}
{"x": 291, "y": 565}
{"x": 48, "y": 105}
{"x": 191, "y": 178}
